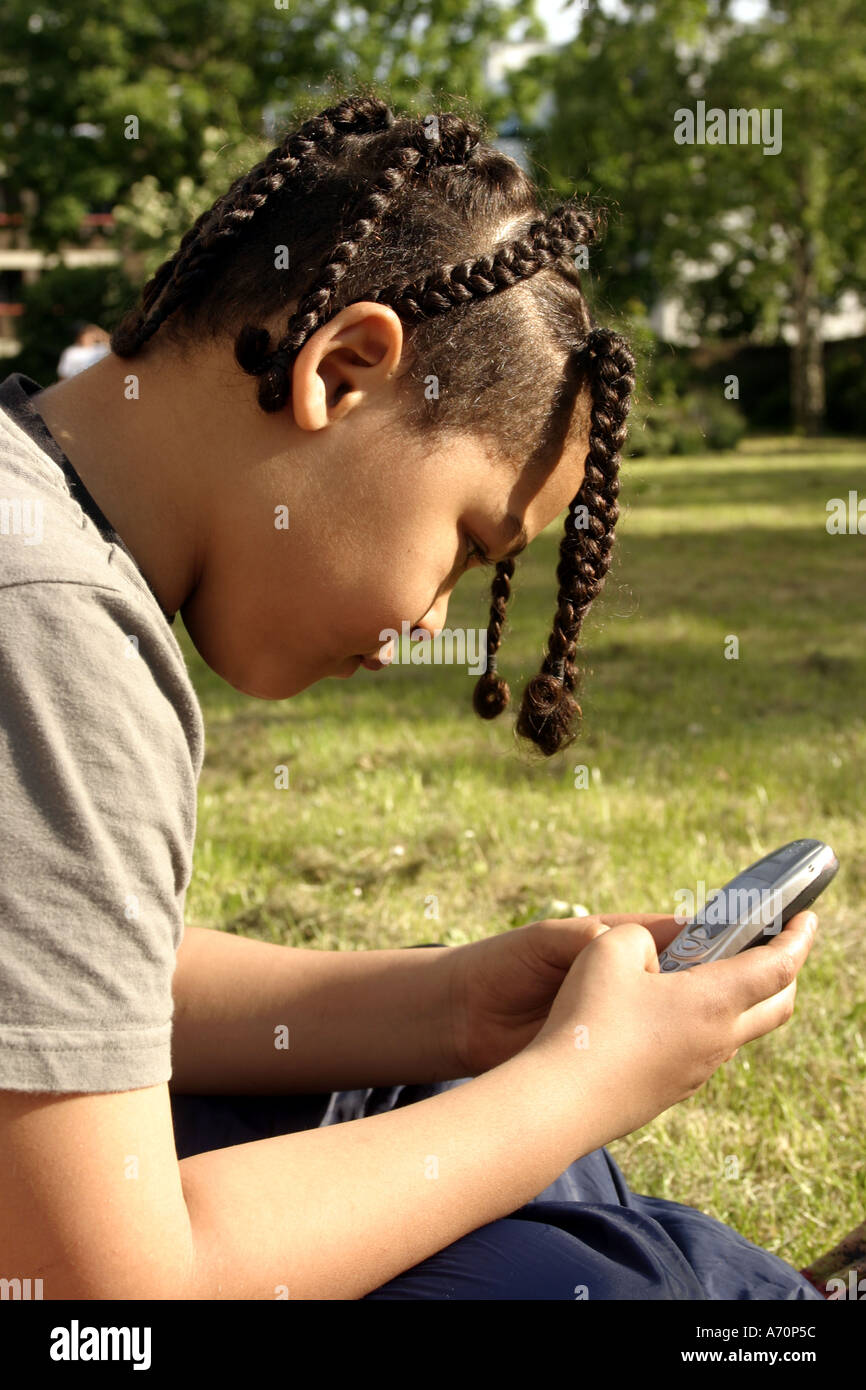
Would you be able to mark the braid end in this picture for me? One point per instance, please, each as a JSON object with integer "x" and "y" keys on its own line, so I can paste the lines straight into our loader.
{"x": 491, "y": 695}
{"x": 252, "y": 348}
{"x": 126, "y": 339}
{"x": 547, "y": 713}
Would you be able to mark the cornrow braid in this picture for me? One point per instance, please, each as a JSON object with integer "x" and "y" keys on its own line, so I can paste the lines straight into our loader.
{"x": 369, "y": 203}
{"x": 440, "y": 291}
{"x": 548, "y": 709}
{"x": 450, "y": 285}
{"x": 214, "y": 233}
{"x": 542, "y": 245}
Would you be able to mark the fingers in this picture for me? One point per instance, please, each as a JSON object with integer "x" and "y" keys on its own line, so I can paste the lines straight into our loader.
{"x": 643, "y": 919}
{"x": 760, "y": 974}
{"x": 629, "y": 934}
{"x": 661, "y": 925}
{"x": 559, "y": 941}
{"x": 763, "y": 1018}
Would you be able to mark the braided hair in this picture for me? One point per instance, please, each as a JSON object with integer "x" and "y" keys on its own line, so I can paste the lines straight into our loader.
{"x": 436, "y": 224}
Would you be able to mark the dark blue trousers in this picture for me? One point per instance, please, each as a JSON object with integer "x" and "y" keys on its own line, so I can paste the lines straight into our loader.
{"x": 586, "y": 1236}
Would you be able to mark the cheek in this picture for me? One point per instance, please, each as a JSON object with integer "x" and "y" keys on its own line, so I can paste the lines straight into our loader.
{"x": 391, "y": 589}
{"x": 387, "y": 562}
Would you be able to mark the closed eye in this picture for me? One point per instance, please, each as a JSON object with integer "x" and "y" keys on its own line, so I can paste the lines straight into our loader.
{"x": 475, "y": 552}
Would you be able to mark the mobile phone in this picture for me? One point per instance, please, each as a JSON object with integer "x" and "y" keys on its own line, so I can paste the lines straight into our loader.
{"x": 753, "y": 906}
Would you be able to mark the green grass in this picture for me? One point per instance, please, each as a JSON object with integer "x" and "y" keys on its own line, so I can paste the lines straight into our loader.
{"x": 698, "y": 765}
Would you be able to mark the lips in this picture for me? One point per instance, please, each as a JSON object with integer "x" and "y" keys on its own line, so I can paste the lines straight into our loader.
{"x": 375, "y": 661}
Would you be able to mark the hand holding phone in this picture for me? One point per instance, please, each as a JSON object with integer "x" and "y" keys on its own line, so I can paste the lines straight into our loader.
{"x": 631, "y": 1041}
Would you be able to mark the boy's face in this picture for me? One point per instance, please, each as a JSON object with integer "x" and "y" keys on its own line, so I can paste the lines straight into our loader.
{"x": 337, "y": 524}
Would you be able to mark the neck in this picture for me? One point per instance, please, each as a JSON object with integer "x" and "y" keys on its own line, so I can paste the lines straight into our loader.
{"x": 135, "y": 458}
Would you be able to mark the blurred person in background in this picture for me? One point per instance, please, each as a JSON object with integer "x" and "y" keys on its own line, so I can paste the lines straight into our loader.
{"x": 91, "y": 344}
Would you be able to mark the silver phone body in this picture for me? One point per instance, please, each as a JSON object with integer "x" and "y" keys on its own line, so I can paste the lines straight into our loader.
{"x": 753, "y": 906}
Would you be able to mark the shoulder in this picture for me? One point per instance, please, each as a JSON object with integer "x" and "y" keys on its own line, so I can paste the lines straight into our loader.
{"x": 77, "y": 613}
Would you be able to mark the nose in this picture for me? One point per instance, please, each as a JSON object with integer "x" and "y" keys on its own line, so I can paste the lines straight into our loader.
{"x": 434, "y": 619}
{"x": 431, "y": 624}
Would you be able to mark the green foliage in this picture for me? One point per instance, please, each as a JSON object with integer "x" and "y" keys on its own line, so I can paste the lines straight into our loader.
{"x": 693, "y": 423}
{"x": 746, "y": 240}
{"x": 183, "y": 70}
{"x": 52, "y": 305}
{"x": 671, "y": 413}
{"x": 154, "y": 216}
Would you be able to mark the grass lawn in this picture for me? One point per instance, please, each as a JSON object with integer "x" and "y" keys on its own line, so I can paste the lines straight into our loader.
{"x": 409, "y": 819}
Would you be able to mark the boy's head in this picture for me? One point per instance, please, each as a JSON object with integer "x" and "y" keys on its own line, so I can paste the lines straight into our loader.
{"x": 426, "y": 367}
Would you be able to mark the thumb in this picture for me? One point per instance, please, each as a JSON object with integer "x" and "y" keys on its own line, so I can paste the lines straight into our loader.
{"x": 636, "y": 943}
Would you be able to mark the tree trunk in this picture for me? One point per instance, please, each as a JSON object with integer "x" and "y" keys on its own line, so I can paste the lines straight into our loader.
{"x": 808, "y": 399}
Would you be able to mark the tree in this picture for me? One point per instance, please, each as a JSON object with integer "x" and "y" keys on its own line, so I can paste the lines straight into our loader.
{"x": 807, "y": 61}
{"x": 99, "y": 95}
{"x": 782, "y": 235}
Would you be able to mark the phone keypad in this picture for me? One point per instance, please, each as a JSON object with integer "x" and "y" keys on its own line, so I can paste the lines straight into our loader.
{"x": 684, "y": 951}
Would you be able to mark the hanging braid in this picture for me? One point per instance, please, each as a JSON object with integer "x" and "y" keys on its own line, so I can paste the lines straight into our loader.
{"x": 548, "y": 709}
{"x": 402, "y": 203}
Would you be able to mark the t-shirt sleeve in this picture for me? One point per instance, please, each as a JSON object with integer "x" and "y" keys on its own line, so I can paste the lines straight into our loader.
{"x": 97, "y": 826}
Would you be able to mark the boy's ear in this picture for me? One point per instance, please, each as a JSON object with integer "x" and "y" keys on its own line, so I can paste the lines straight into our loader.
{"x": 353, "y": 354}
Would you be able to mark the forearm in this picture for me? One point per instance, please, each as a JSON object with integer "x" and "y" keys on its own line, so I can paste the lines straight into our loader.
{"x": 334, "y": 1213}
{"x": 252, "y": 1017}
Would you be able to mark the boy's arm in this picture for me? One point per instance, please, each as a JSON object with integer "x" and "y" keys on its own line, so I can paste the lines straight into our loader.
{"x": 254, "y": 1017}
{"x": 94, "y": 1202}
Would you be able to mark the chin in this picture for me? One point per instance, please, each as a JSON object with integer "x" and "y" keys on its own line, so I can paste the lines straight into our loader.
{"x": 347, "y": 668}
{"x": 294, "y": 684}
{"x": 268, "y": 679}
{"x": 270, "y": 691}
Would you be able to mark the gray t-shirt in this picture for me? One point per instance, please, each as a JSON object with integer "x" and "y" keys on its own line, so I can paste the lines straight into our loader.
{"x": 101, "y": 746}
